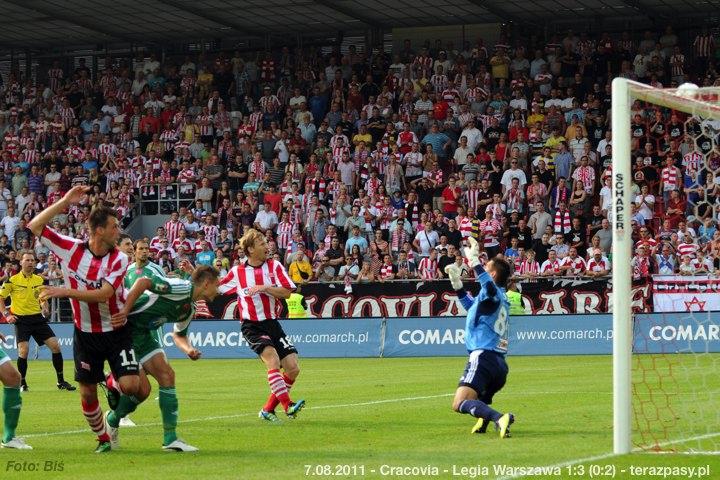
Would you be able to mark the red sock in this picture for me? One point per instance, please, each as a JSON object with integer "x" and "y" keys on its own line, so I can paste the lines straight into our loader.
{"x": 272, "y": 401}
{"x": 94, "y": 416}
{"x": 112, "y": 383}
{"x": 279, "y": 388}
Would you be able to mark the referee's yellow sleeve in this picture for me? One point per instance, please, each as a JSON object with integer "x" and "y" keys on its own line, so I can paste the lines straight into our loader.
{"x": 6, "y": 289}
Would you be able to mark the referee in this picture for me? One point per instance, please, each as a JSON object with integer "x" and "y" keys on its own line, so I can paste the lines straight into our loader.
{"x": 27, "y": 315}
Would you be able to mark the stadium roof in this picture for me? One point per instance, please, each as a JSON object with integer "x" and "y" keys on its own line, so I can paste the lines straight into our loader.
{"x": 57, "y": 23}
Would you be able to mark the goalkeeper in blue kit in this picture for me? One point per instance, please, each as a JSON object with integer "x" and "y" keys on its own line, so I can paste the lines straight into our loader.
{"x": 486, "y": 333}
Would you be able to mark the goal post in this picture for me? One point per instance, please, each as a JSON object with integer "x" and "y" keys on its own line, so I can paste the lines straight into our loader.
{"x": 698, "y": 103}
{"x": 621, "y": 272}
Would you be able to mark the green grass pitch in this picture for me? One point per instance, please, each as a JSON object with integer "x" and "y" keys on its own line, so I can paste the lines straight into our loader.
{"x": 366, "y": 416}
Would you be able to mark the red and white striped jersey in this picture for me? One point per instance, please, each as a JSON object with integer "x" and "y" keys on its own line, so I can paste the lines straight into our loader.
{"x": 527, "y": 267}
{"x": 577, "y": 265}
{"x": 212, "y": 232}
{"x": 677, "y": 64}
{"x": 259, "y": 168}
{"x": 268, "y": 100}
{"x": 284, "y": 234}
{"x": 156, "y": 243}
{"x": 651, "y": 243}
{"x": 550, "y": 266}
{"x": 428, "y": 268}
{"x": 476, "y": 94}
{"x": 449, "y": 94}
{"x": 687, "y": 249}
{"x": 172, "y": 229}
{"x": 206, "y": 124}
{"x": 260, "y": 306}
{"x": 490, "y": 229}
{"x": 31, "y": 156}
{"x": 598, "y": 265}
{"x": 186, "y": 244}
{"x": 255, "y": 120}
{"x": 68, "y": 116}
{"x": 423, "y": 62}
{"x": 692, "y": 162}
{"x": 439, "y": 82}
{"x": 386, "y": 271}
{"x": 337, "y": 153}
{"x": 84, "y": 271}
{"x": 222, "y": 122}
{"x": 55, "y": 75}
{"x": 74, "y": 152}
{"x": 108, "y": 149}
{"x": 472, "y": 198}
{"x": 316, "y": 186}
{"x": 704, "y": 45}
{"x": 465, "y": 225}
{"x": 670, "y": 178}
{"x": 169, "y": 139}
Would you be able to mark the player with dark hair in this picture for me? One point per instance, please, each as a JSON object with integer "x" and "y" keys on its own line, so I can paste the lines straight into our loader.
{"x": 30, "y": 318}
{"x": 261, "y": 284}
{"x": 153, "y": 300}
{"x": 486, "y": 334}
{"x": 93, "y": 273}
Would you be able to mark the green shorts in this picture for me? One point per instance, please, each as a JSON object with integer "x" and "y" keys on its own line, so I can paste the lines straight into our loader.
{"x": 3, "y": 357}
{"x": 147, "y": 343}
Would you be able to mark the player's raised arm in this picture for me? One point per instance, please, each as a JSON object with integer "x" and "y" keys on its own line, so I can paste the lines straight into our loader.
{"x": 99, "y": 295}
{"x": 73, "y": 196}
{"x": 453, "y": 272}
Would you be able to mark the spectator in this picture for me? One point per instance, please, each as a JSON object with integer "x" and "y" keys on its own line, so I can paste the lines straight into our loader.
{"x": 300, "y": 270}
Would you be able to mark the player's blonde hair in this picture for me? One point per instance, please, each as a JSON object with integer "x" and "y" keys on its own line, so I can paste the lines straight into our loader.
{"x": 249, "y": 239}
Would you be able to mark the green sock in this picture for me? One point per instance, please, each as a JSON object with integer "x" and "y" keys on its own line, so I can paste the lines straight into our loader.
{"x": 169, "y": 410}
{"x": 11, "y": 405}
{"x": 126, "y": 405}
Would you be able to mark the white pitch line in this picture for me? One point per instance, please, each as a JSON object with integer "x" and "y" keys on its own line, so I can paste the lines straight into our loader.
{"x": 610, "y": 455}
{"x": 239, "y": 415}
{"x": 324, "y": 407}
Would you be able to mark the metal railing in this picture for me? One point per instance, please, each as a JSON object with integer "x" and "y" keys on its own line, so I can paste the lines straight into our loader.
{"x": 165, "y": 198}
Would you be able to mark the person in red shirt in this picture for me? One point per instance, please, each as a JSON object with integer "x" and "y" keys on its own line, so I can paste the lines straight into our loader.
{"x": 451, "y": 198}
{"x": 274, "y": 198}
{"x": 151, "y": 120}
{"x": 675, "y": 210}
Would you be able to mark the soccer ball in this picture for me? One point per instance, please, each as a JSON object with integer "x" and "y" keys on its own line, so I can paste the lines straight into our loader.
{"x": 687, "y": 90}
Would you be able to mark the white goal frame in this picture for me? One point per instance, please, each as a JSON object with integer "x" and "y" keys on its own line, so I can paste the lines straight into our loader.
{"x": 624, "y": 92}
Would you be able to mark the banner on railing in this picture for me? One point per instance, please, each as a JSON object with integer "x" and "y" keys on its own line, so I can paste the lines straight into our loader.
{"x": 438, "y": 336}
{"x": 676, "y": 293}
{"x": 437, "y": 298}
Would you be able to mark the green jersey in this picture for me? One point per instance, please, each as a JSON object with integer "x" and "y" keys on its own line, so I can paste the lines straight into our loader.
{"x": 134, "y": 272}
{"x": 169, "y": 300}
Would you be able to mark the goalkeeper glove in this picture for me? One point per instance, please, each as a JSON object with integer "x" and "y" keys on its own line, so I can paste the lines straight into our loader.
{"x": 473, "y": 252}
{"x": 453, "y": 273}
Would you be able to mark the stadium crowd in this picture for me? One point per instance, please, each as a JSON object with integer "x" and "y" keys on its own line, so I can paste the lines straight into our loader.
{"x": 367, "y": 166}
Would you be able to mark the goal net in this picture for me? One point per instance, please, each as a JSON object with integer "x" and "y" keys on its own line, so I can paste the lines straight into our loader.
{"x": 666, "y": 382}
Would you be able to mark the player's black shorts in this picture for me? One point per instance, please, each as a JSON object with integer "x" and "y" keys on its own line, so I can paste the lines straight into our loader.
{"x": 485, "y": 372}
{"x": 268, "y": 333}
{"x": 34, "y": 326}
{"x": 91, "y": 350}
